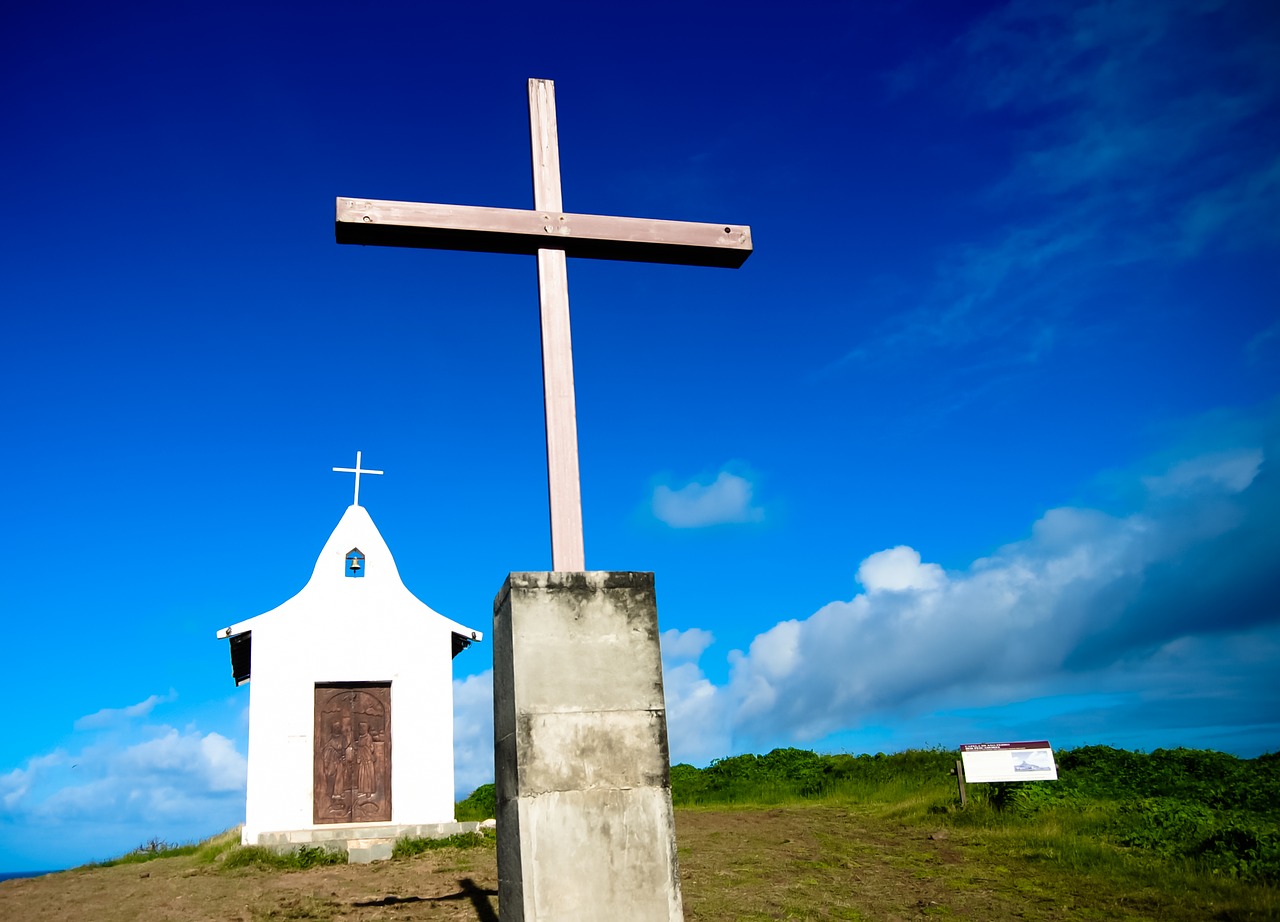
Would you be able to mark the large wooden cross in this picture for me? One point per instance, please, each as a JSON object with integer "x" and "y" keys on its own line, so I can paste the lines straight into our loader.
{"x": 552, "y": 235}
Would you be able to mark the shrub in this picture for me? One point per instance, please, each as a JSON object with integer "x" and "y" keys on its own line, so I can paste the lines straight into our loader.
{"x": 481, "y": 804}
{"x": 1202, "y": 806}
{"x": 787, "y": 774}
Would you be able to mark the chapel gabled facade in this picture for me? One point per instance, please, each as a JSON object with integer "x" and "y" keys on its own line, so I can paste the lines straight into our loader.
{"x": 351, "y": 699}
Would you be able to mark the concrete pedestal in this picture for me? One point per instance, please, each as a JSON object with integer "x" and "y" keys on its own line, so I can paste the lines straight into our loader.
{"x": 585, "y": 827}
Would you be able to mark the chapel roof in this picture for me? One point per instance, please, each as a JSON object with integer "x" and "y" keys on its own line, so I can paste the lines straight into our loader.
{"x": 377, "y": 583}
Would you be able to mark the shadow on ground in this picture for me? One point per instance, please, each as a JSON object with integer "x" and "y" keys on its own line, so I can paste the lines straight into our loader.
{"x": 479, "y": 897}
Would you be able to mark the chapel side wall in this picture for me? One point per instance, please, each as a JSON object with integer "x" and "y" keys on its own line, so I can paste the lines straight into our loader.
{"x": 422, "y": 734}
{"x": 281, "y": 709}
{"x": 252, "y": 783}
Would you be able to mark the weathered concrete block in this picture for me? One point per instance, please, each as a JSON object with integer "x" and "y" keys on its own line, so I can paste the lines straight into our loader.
{"x": 366, "y": 851}
{"x": 585, "y": 826}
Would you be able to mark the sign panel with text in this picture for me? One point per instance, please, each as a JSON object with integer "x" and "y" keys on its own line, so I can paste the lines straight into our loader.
{"x": 1025, "y": 761}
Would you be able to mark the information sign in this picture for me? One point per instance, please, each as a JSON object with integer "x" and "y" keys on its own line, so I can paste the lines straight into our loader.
{"x": 1026, "y": 761}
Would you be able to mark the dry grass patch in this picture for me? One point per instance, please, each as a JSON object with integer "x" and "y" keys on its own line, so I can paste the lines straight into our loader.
{"x": 809, "y": 861}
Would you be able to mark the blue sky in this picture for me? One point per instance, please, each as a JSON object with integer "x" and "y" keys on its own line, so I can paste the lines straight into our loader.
{"x": 980, "y": 444}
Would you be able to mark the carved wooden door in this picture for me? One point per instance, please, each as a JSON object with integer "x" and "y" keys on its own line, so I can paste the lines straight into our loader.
{"x": 352, "y": 766}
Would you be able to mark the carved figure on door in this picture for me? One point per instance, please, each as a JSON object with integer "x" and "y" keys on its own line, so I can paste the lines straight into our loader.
{"x": 333, "y": 762}
{"x": 366, "y": 765}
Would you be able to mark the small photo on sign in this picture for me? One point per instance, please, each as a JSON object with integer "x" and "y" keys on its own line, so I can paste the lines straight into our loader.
{"x": 1039, "y": 761}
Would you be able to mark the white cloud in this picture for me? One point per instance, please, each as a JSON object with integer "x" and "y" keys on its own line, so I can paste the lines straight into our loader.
{"x": 108, "y": 716}
{"x": 175, "y": 777}
{"x": 120, "y": 780}
{"x": 210, "y": 758}
{"x": 726, "y": 499}
{"x": 678, "y": 646}
{"x": 172, "y": 776}
{"x": 697, "y": 712}
{"x": 15, "y": 785}
{"x": 1150, "y": 606}
{"x": 472, "y": 732}
{"x": 1097, "y": 627}
{"x": 1232, "y": 470}
{"x": 899, "y": 569}
{"x": 698, "y": 716}
{"x": 115, "y": 769}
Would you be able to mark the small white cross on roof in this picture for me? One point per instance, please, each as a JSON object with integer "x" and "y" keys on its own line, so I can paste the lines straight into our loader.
{"x": 357, "y": 470}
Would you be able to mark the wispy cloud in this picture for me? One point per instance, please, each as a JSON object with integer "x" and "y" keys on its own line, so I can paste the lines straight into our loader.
{"x": 15, "y": 785}
{"x": 1168, "y": 608}
{"x": 119, "y": 780}
{"x": 110, "y": 716}
{"x": 1140, "y": 134}
{"x": 683, "y": 646}
{"x": 1229, "y": 470}
{"x": 1257, "y": 349}
{"x": 726, "y": 499}
{"x": 1147, "y": 122}
{"x": 170, "y": 780}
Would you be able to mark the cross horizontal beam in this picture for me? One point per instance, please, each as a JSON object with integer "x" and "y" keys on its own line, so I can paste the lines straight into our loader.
{"x": 512, "y": 230}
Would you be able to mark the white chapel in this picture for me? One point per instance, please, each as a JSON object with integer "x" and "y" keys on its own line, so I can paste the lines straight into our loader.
{"x": 351, "y": 699}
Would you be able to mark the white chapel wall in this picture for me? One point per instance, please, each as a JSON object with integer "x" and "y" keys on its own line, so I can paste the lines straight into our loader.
{"x": 340, "y": 629}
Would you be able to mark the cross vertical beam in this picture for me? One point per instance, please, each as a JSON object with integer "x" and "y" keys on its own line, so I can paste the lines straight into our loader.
{"x": 553, "y": 235}
{"x": 564, "y": 485}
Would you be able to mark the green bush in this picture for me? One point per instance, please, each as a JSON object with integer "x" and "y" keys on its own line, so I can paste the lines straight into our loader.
{"x": 481, "y": 804}
{"x": 798, "y": 774}
{"x": 1215, "y": 810}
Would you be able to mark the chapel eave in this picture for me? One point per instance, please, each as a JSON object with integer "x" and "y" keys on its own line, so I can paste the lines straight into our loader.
{"x": 241, "y": 657}
{"x": 242, "y": 650}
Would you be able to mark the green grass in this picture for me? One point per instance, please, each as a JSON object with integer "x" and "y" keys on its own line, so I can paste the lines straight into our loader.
{"x": 1146, "y": 833}
{"x": 409, "y": 846}
{"x": 1172, "y": 834}
{"x": 306, "y": 856}
{"x": 225, "y": 849}
{"x": 206, "y": 851}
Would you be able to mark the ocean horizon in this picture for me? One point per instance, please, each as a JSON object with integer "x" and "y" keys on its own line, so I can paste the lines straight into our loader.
{"x": 15, "y": 875}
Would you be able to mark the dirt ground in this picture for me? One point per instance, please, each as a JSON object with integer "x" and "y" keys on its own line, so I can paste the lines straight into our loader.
{"x": 806, "y": 862}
